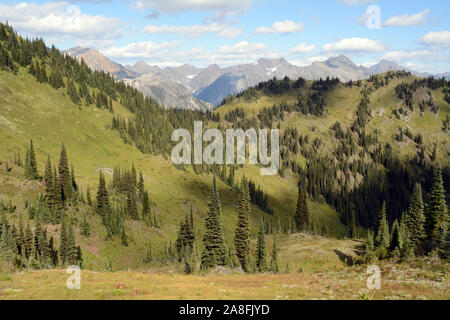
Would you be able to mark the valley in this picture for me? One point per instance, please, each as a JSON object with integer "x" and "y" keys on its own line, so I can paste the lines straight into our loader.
{"x": 358, "y": 161}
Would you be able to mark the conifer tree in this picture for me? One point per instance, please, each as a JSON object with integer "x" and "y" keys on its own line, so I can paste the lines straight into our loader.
{"x": 369, "y": 242}
{"x": 57, "y": 189}
{"x": 63, "y": 242}
{"x": 146, "y": 214}
{"x": 72, "y": 251}
{"x": 132, "y": 206}
{"x": 29, "y": 242}
{"x": 49, "y": 187}
{"x": 274, "y": 257}
{"x": 242, "y": 235}
{"x": 31, "y": 171}
{"x": 64, "y": 176}
{"x": 102, "y": 196}
{"x": 415, "y": 219}
{"x": 74, "y": 183}
{"x": 214, "y": 251}
{"x": 437, "y": 212}
{"x": 396, "y": 237}
{"x": 141, "y": 187}
{"x": 73, "y": 93}
{"x": 260, "y": 256}
{"x": 301, "y": 216}
{"x": 382, "y": 239}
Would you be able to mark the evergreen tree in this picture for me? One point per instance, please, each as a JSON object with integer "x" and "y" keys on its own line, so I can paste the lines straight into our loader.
{"x": 260, "y": 256}
{"x": 49, "y": 187}
{"x": 141, "y": 187}
{"x": 146, "y": 214}
{"x": 72, "y": 250}
{"x": 274, "y": 257}
{"x": 64, "y": 176}
{"x": 73, "y": 93}
{"x": 396, "y": 237}
{"x": 436, "y": 212}
{"x": 29, "y": 242}
{"x": 132, "y": 210}
{"x": 102, "y": 196}
{"x": 382, "y": 239}
{"x": 242, "y": 235}
{"x": 31, "y": 171}
{"x": 214, "y": 251}
{"x": 369, "y": 242}
{"x": 63, "y": 242}
{"x": 415, "y": 219}
{"x": 301, "y": 216}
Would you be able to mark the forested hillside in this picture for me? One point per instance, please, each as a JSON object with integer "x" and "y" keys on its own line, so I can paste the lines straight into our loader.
{"x": 86, "y": 176}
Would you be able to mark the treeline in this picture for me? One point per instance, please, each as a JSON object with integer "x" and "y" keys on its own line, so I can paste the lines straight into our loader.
{"x": 422, "y": 228}
{"x": 32, "y": 248}
{"x": 360, "y": 172}
{"x": 405, "y": 91}
{"x": 151, "y": 126}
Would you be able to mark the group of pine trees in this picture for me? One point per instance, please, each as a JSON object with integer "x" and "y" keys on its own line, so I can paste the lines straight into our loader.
{"x": 215, "y": 251}
{"x": 422, "y": 229}
{"x": 133, "y": 202}
{"x": 28, "y": 247}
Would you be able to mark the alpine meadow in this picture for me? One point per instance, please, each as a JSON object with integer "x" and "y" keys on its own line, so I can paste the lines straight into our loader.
{"x": 123, "y": 182}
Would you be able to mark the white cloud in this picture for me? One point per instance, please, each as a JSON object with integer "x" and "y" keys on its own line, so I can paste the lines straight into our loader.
{"x": 231, "y": 32}
{"x": 195, "y": 31}
{"x": 140, "y": 50}
{"x": 170, "y": 54}
{"x": 400, "y": 56}
{"x": 404, "y": 20}
{"x": 243, "y": 48}
{"x": 437, "y": 38}
{"x": 60, "y": 21}
{"x": 303, "y": 48}
{"x": 281, "y": 27}
{"x": 176, "y": 6}
{"x": 354, "y": 45}
{"x": 309, "y": 61}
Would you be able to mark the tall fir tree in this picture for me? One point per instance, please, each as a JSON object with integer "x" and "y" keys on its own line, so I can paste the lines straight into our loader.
{"x": 382, "y": 239}
{"x": 64, "y": 176}
{"x": 437, "y": 211}
{"x": 242, "y": 235}
{"x": 260, "y": 255}
{"x": 214, "y": 251}
{"x": 415, "y": 219}
{"x": 301, "y": 216}
{"x": 274, "y": 257}
{"x": 396, "y": 237}
{"x": 31, "y": 171}
{"x": 102, "y": 196}
{"x": 141, "y": 187}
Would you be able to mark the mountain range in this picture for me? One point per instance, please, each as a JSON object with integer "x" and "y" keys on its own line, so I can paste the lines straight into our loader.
{"x": 190, "y": 87}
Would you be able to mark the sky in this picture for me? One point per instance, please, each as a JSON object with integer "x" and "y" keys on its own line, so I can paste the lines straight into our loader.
{"x": 415, "y": 34}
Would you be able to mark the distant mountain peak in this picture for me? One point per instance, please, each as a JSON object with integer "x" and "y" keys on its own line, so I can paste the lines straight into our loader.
{"x": 97, "y": 61}
{"x": 340, "y": 61}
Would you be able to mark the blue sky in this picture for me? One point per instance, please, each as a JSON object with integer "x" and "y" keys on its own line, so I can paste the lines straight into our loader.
{"x": 229, "y": 32}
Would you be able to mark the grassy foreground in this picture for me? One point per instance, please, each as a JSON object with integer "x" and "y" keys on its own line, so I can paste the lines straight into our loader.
{"x": 398, "y": 282}
{"x": 311, "y": 267}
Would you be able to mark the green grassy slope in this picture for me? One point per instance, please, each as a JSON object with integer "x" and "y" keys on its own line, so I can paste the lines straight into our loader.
{"x": 341, "y": 105}
{"x": 29, "y": 110}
